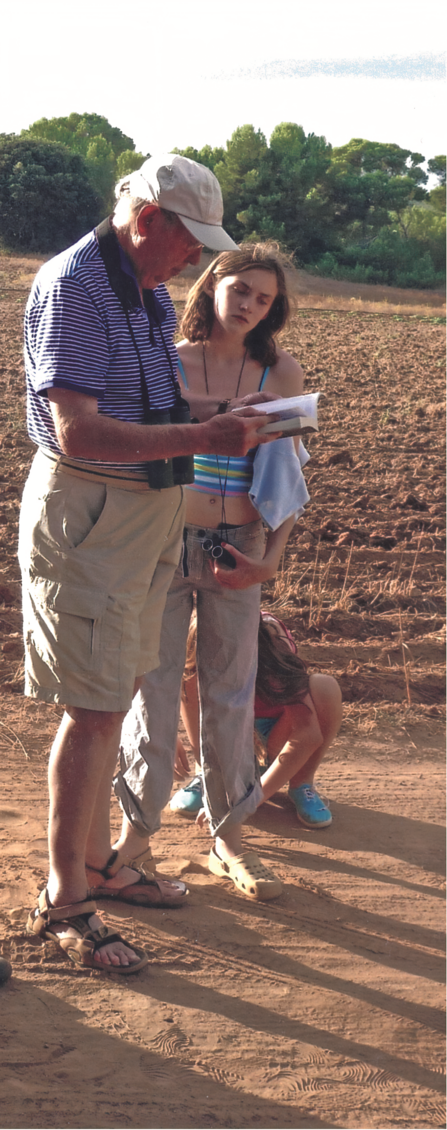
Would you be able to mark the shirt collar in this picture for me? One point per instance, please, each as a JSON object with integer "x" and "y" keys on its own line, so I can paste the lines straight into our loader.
{"x": 123, "y": 280}
{"x": 154, "y": 309}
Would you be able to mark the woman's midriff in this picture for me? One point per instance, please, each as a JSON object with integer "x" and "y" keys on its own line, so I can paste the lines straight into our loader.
{"x": 206, "y": 509}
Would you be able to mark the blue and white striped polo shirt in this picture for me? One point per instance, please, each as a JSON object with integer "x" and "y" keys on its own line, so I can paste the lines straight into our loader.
{"x": 77, "y": 337}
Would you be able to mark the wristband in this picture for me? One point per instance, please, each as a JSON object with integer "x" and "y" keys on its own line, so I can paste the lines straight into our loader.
{"x": 222, "y": 407}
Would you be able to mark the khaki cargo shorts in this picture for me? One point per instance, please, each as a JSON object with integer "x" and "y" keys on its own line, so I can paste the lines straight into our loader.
{"x": 97, "y": 560}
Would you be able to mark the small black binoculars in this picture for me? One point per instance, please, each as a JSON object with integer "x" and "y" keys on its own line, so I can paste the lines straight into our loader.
{"x": 214, "y": 548}
{"x": 163, "y": 473}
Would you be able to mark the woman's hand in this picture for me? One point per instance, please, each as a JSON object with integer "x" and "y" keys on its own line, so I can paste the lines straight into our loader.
{"x": 249, "y": 570}
{"x": 251, "y": 398}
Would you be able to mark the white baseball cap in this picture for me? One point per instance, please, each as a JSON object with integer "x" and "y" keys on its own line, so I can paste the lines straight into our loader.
{"x": 186, "y": 188}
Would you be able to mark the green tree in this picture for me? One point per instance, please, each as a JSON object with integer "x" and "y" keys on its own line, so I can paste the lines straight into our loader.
{"x": 92, "y": 136}
{"x": 287, "y": 141}
{"x": 245, "y": 150}
{"x": 354, "y": 212}
{"x": 426, "y": 226}
{"x": 128, "y": 161}
{"x": 436, "y": 165}
{"x": 47, "y": 200}
{"x": 206, "y": 156}
{"x": 76, "y": 131}
{"x": 101, "y": 165}
{"x": 368, "y": 180}
{"x": 286, "y": 200}
{"x": 237, "y": 173}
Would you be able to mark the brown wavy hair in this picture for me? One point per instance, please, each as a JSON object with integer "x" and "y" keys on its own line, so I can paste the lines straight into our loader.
{"x": 282, "y": 677}
{"x": 197, "y": 321}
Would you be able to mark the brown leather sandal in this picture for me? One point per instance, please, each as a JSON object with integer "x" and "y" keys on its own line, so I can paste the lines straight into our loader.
{"x": 145, "y": 892}
{"x": 145, "y": 862}
{"x": 80, "y": 950}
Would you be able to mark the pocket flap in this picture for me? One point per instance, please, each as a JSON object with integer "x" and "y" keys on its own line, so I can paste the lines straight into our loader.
{"x": 74, "y": 599}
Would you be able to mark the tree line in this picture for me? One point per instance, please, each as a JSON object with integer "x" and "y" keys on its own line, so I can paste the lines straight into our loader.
{"x": 360, "y": 211}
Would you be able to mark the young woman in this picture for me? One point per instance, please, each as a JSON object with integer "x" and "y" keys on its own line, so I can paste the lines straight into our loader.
{"x": 233, "y": 316}
{"x": 296, "y": 717}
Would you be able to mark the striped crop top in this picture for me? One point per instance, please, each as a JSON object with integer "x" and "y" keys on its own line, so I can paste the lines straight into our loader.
{"x": 213, "y": 473}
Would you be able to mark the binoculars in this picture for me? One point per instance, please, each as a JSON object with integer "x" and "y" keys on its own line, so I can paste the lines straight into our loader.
{"x": 163, "y": 473}
{"x": 214, "y": 548}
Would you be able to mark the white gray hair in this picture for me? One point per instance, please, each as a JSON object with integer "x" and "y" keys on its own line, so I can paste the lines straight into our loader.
{"x": 122, "y": 189}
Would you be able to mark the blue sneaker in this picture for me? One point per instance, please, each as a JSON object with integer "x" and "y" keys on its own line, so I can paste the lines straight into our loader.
{"x": 311, "y": 810}
{"x": 188, "y": 801}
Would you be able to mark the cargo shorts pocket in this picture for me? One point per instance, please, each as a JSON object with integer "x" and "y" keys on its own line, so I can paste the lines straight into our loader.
{"x": 66, "y": 625}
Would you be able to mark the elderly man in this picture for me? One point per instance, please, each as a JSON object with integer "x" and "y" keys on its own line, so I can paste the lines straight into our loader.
{"x": 102, "y": 516}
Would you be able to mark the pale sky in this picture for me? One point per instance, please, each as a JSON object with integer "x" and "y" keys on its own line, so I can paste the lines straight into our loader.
{"x": 187, "y": 72}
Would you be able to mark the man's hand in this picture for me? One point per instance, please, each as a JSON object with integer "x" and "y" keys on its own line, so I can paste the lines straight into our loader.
{"x": 84, "y": 433}
{"x": 235, "y": 432}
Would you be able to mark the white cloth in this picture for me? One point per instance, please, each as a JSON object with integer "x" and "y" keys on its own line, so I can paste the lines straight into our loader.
{"x": 279, "y": 490}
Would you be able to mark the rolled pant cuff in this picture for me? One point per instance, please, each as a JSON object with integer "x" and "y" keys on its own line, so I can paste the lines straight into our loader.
{"x": 241, "y": 811}
{"x": 132, "y": 809}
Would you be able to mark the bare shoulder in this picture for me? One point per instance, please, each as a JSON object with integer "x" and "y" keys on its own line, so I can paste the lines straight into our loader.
{"x": 286, "y": 378}
{"x": 190, "y": 356}
{"x": 188, "y": 348}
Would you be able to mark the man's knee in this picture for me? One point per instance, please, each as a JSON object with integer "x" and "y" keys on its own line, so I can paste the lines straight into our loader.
{"x": 100, "y": 722}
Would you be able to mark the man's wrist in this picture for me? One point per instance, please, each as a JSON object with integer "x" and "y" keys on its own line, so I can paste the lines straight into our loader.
{"x": 202, "y": 438}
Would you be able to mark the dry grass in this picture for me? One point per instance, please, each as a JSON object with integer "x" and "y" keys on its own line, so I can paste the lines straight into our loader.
{"x": 364, "y": 306}
{"x": 334, "y": 606}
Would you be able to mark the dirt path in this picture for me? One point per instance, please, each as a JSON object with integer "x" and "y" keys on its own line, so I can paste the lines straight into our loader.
{"x": 323, "y": 1009}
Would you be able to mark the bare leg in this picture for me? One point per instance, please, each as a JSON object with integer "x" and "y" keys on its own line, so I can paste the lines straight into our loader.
{"x": 326, "y": 697}
{"x": 302, "y": 736}
{"x": 231, "y": 845}
{"x": 83, "y": 755}
{"x": 81, "y": 767}
{"x": 129, "y": 843}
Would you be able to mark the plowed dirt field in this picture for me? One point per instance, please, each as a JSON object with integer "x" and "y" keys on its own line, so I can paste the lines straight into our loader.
{"x": 324, "y": 1008}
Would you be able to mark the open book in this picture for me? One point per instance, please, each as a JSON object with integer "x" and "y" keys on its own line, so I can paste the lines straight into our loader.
{"x": 298, "y": 414}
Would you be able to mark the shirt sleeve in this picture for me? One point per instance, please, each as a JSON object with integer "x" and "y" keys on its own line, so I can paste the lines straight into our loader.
{"x": 66, "y": 339}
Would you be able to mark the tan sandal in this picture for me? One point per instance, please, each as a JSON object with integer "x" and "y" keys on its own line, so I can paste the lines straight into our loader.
{"x": 144, "y": 862}
{"x": 80, "y": 950}
{"x": 146, "y": 892}
{"x": 248, "y": 874}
